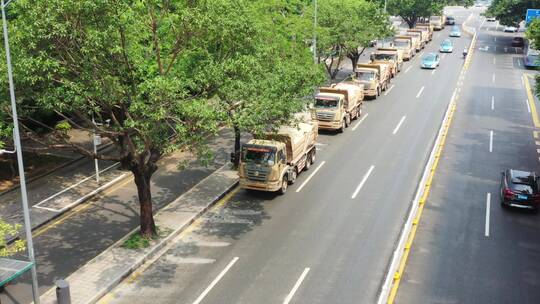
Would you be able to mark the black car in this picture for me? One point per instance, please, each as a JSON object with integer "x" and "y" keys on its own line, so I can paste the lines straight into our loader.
{"x": 518, "y": 42}
{"x": 450, "y": 20}
{"x": 519, "y": 189}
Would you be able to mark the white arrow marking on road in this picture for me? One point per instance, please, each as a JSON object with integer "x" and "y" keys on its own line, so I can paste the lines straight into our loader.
{"x": 364, "y": 179}
{"x": 310, "y": 176}
{"x": 296, "y": 286}
{"x": 493, "y": 102}
{"x": 361, "y": 120}
{"x": 491, "y": 141}
{"x": 215, "y": 281}
{"x": 420, "y": 92}
{"x": 389, "y": 89}
{"x": 398, "y": 125}
{"x": 488, "y": 207}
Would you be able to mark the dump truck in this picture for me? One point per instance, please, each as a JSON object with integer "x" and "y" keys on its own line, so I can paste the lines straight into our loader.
{"x": 405, "y": 44}
{"x": 427, "y": 27}
{"x": 437, "y": 22}
{"x": 272, "y": 161}
{"x": 374, "y": 76}
{"x": 424, "y": 36}
{"x": 416, "y": 40}
{"x": 338, "y": 105}
{"x": 392, "y": 56}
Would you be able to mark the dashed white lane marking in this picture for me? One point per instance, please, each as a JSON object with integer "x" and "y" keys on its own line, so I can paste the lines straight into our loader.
{"x": 491, "y": 141}
{"x": 488, "y": 207}
{"x": 408, "y": 69}
{"x": 528, "y": 106}
{"x": 494, "y": 60}
{"x": 420, "y": 92}
{"x": 433, "y": 72}
{"x": 296, "y": 286}
{"x": 495, "y": 39}
{"x": 215, "y": 281}
{"x": 396, "y": 129}
{"x": 364, "y": 179}
{"x": 492, "y": 102}
{"x": 493, "y": 78}
{"x": 389, "y": 89}
{"x": 360, "y": 121}
{"x": 310, "y": 176}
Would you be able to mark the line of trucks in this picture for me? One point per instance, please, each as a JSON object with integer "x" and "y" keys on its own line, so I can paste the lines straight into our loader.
{"x": 272, "y": 161}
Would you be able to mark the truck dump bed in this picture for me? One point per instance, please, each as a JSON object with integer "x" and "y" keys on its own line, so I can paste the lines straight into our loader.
{"x": 297, "y": 139}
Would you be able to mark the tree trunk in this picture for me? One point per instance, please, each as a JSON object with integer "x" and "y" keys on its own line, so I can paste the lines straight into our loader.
{"x": 142, "y": 180}
{"x": 237, "y": 137}
{"x": 411, "y": 22}
{"x": 354, "y": 57}
{"x": 335, "y": 72}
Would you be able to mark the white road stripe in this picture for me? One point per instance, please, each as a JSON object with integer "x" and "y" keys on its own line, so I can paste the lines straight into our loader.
{"x": 493, "y": 102}
{"x": 296, "y": 286}
{"x": 310, "y": 176}
{"x": 398, "y": 125}
{"x": 519, "y": 62}
{"x": 495, "y": 39}
{"x": 433, "y": 72}
{"x": 491, "y": 141}
{"x": 495, "y": 48}
{"x": 359, "y": 122}
{"x": 215, "y": 281}
{"x": 408, "y": 69}
{"x": 389, "y": 89}
{"x": 488, "y": 207}
{"x": 364, "y": 179}
{"x": 493, "y": 78}
{"x": 494, "y": 60}
{"x": 528, "y": 106}
{"x": 420, "y": 92}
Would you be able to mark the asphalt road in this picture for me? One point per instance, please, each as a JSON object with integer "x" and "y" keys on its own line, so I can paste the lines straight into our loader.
{"x": 70, "y": 242}
{"x": 462, "y": 253}
{"x": 330, "y": 238}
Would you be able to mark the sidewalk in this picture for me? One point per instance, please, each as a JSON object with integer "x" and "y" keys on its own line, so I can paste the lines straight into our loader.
{"x": 104, "y": 272}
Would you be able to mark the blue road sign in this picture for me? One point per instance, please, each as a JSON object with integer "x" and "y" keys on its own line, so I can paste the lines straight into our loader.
{"x": 531, "y": 15}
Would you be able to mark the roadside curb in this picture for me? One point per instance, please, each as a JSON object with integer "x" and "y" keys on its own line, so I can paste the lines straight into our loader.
{"x": 139, "y": 257}
{"x": 466, "y": 28}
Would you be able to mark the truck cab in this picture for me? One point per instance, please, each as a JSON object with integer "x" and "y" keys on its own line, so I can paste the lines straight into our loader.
{"x": 404, "y": 43}
{"x": 416, "y": 40}
{"x": 372, "y": 77}
{"x": 437, "y": 22}
{"x": 330, "y": 111}
{"x": 393, "y": 57}
{"x": 422, "y": 35}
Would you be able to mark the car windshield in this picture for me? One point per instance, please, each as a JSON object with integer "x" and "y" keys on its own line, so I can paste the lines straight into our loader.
{"x": 430, "y": 57}
{"x": 326, "y": 102}
{"x": 365, "y": 76}
{"x": 447, "y": 43}
{"x": 455, "y": 29}
{"x": 257, "y": 155}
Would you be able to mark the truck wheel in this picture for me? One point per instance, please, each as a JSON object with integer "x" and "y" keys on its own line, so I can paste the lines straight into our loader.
{"x": 343, "y": 126}
{"x": 347, "y": 121}
{"x": 284, "y": 185}
{"x": 359, "y": 112}
{"x": 308, "y": 162}
{"x": 378, "y": 92}
{"x": 294, "y": 174}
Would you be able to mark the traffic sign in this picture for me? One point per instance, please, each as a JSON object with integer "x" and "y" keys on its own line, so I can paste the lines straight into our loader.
{"x": 531, "y": 15}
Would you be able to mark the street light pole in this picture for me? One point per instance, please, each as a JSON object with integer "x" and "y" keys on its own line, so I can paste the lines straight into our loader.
{"x": 315, "y": 32}
{"x": 18, "y": 148}
{"x": 94, "y": 141}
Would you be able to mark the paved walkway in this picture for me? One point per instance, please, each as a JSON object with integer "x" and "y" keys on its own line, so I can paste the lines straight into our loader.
{"x": 100, "y": 275}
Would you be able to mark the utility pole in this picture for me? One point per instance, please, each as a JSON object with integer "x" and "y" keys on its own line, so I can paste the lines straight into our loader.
{"x": 18, "y": 148}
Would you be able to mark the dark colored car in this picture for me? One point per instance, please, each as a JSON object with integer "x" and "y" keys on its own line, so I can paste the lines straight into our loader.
{"x": 519, "y": 189}
{"x": 518, "y": 42}
{"x": 450, "y": 20}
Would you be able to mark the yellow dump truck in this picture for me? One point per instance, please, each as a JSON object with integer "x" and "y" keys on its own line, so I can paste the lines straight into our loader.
{"x": 273, "y": 161}
{"x": 393, "y": 57}
{"x": 338, "y": 105}
{"x": 404, "y": 43}
{"x": 428, "y": 27}
{"x": 424, "y": 36}
{"x": 416, "y": 40}
{"x": 374, "y": 76}
{"x": 437, "y": 22}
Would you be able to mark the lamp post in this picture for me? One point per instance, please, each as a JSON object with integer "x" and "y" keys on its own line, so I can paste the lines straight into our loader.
{"x": 18, "y": 150}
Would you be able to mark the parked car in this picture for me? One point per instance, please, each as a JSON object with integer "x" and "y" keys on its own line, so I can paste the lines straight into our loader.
{"x": 450, "y": 20}
{"x": 491, "y": 19}
{"x": 518, "y": 42}
{"x": 430, "y": 61}
{"x": 510, "y": 29}
{"x": 455, "y": 31}
{"x": 447, "y": 46}
{"x": 519, "y": 189}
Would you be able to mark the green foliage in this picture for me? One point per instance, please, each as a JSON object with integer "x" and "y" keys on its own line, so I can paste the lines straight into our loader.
{"x": 511, "y": 12}
{"x": 63, "y": 126}
{"x": 137, "y": 241}
{"x": 533, "y": 33}
{"x": 7, "y": 230}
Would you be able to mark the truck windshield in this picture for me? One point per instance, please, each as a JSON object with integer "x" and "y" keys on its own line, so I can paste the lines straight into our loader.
{"x": 383, "y": 57}
{"x": 435, "y": 18}
{"x": 401, "y": 43}
{"x": 365, "y": 76}
{"x": 257, "y": 155}
{"x": 326, "y": 103}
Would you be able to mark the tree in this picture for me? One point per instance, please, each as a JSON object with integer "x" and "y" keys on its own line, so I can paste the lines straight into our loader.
{"x": 533, "y": 34}
{"x": 7, "y": 230}
{"x": 511, "y": 12}
{"x": 412, "y": 10}
{"x": 128, "y": 61}
{"x": 344, "y": 26}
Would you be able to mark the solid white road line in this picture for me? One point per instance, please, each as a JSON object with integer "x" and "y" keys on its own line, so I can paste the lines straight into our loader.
{"x": 491, "y": 141}
{"x": 420, "y": 92}
{"x": 360, "y": 121}
{"x": 364, "y": 179}
{"x": 398, "y": 125}
{"x": 389, "y": 89}
{"x": 310, "y": 176}
{"x": 488, "y": 207}
{"x": 296, "y": 286}
{"x": 408, "y": 69}
{"x": 493, "y": 102}
{"x": 528, "y": 106}
{"x": 493, "y": 78}
{"x": 494, "y": 60}
{"x": 215, "y": 281}
{"x": 433, "y": 72}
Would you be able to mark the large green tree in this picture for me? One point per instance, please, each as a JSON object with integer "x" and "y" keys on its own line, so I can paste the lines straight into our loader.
{"x": 411, "y": 11}
{"x": 511, "y": 12}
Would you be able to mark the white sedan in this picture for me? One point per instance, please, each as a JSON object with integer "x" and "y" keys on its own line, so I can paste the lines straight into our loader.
{"x": 510, "y": 29}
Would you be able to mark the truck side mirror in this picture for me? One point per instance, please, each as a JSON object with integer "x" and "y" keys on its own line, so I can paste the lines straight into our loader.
{"x": 371, "y": 57}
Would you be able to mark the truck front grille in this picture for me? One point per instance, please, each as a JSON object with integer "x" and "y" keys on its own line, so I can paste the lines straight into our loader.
{"x": 325, "y": 116}
{"x": 257, "y": 173}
